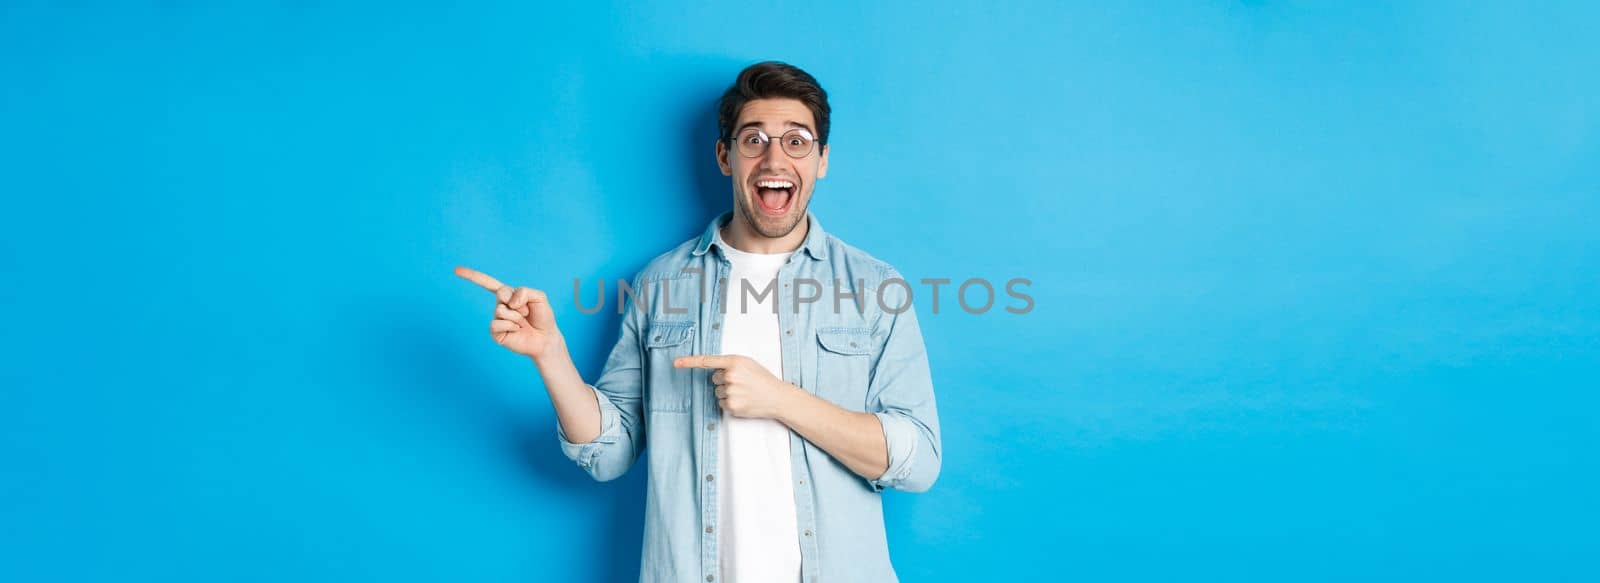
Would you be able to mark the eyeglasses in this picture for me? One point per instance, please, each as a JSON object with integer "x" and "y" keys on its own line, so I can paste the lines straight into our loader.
{"x": 753, "y": 142}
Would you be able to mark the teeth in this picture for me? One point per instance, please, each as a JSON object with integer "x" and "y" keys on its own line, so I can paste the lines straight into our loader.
{"x": 775, "y": 184}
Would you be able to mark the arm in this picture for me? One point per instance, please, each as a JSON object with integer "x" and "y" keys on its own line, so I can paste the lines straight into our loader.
{"x": 607, "y": 449}
{"x": 576, "y": 405}
{"x": 901, "y": 398}
{"x": 744, "y": 388}
{"x": 854, "y": 438}
{"x": 900, "y": 395}
{"x": 894, "y": 445}
{"x": 606, "y": 434}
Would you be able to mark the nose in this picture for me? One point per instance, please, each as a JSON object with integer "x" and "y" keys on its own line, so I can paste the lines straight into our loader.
{"x": 774, "y": 155}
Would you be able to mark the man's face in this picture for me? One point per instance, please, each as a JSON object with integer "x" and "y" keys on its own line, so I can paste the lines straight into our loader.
{"x": 772, "y": 191}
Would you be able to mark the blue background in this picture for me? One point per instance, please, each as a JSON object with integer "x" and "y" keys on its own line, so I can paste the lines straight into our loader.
{"x": 1317, "y": 285}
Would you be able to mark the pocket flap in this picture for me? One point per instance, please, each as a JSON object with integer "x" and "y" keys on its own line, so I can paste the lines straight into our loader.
{"x": 668, "y": 334}
{"x": 845, "y": 340}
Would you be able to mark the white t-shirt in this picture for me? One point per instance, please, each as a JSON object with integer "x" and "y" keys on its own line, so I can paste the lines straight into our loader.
{"x": 756, "y": 531}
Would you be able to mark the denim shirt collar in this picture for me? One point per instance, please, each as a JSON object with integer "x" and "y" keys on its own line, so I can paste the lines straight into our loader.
{"x": 815, "y": 243}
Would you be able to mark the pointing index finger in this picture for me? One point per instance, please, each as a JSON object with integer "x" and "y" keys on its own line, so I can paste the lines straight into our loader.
{"x": 480, "y": 278}
{"x": 702, "y": 361}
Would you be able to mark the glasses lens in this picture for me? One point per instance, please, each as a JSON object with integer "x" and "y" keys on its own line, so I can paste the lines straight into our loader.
{"x": 752, "y": 143}
{"x": 797, "y": 143}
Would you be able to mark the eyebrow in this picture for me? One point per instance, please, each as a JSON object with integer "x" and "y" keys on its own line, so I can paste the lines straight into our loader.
{"x": 792, "y": 124}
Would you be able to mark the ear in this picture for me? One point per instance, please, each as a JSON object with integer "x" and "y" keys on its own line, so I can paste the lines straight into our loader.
{"x": 722, "y": 158}
{"x": 822, "y": 167}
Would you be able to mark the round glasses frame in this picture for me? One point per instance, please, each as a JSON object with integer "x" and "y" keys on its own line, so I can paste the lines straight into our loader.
{"x": 753, "y": 143}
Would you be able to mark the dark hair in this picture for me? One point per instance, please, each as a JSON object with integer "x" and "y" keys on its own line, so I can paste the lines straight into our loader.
{"x": 772, "y": 79}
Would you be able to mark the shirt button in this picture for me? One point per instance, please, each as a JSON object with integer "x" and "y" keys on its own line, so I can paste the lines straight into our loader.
{"x": 658, "y": 338}
{"x": 710, "y": 578}
{"x": 708, "y": 530}
{"x": 716, "y": 326}
{"x": 802, "y": 482}
{"x": 708, "y": 477}
{"x": 711, "y": 426}
{"x": 808, "y": 532}
{"x": 789, "y": 332}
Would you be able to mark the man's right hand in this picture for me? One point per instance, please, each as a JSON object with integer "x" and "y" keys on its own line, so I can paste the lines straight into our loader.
{"x": 523, "y": 321}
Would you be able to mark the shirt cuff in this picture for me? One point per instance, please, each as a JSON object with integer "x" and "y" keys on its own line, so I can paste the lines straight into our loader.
{"x": 900, "y": 435}
{"x": 584, "y": 453}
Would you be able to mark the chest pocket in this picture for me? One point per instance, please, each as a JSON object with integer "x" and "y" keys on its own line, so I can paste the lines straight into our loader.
{"x": 669, "y": 389}
{"x": 844, "y": 366}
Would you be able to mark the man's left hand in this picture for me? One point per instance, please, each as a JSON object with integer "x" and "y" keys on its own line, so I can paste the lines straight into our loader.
{"x": 744, "y": 388}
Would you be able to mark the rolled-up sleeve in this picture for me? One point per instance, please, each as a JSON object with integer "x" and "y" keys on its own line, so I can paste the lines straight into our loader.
{"x": 619, "y": 392}
{"x": 900, "y": 394}
{"x": 592, "y": 456}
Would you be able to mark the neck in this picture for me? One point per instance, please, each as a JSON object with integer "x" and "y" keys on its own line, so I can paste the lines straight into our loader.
{"x": 743, "y": 236}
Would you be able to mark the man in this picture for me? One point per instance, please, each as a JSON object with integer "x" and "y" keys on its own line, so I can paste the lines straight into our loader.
{"x": 775, "y": 413}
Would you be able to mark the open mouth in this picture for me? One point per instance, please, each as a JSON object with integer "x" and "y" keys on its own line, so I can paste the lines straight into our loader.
{"x": 774, "y": 195}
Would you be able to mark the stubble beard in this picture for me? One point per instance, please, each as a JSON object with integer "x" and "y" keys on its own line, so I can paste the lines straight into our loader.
{"x": 765, "y": 226}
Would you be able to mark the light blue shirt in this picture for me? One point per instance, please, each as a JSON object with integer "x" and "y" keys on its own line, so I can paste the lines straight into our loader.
{"x": 856, "y": 345}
